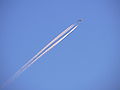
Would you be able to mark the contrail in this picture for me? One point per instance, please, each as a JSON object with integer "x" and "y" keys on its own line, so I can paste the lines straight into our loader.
{"x": 56, "y": 38}
{"x": 43, "y": 51}
{"x": 21, "y": 70}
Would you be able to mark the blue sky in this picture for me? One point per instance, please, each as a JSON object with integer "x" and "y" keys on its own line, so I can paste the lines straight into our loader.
{"x": 88, "y": 59}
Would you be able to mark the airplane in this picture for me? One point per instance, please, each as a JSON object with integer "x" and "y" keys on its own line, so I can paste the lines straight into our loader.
{"x": 79, "y": 21}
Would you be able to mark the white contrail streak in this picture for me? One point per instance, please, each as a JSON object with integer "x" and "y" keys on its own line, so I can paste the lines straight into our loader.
{"x": 21, "y": 70}
{"x": 43, "y": 51}
{"x": 56, "y": 38}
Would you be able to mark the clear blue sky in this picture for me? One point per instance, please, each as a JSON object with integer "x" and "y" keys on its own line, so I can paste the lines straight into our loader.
{"x": 88, "y": 59}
